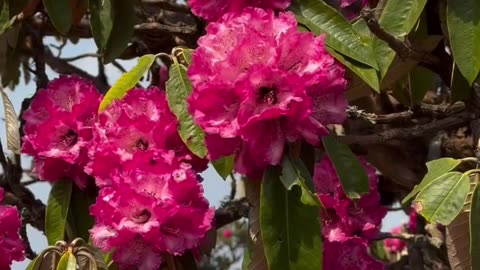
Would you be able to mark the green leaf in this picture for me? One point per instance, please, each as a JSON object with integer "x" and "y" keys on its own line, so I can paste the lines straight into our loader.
{"x": 436, "y": 168}
{"x": 60, "y": 14}
{"x": 464, "y": 31}
{"x": 122, "y": 29}
{"x": 367, "y": 74}
{"x": 67, "y": 261}
{"x": 179, "y": 89}
{"x": 127, "y": 81}
{"x": 11, "y": 124}
{"x": 57, "y": 210}
{"x": 80, "y": 218}
{"x": 352, "y": 175}
{"x": 460, "y": 88}
{"x": 101, "y": 14}
{"x": 294, "y": 173}
{"x": 224, "y": 166}
{"x": 322, "y": 18}
{"x": 4, "y": 17}
{"x": 474, "y": 231}
{"x": 421, "y": 81}
{"x": 443, "y": 198}
{"x": 291, "y": 230}
{"x": 398, "y": 18}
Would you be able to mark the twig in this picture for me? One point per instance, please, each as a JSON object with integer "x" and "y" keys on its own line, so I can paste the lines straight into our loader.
{"x": 29, "y": 253}
{"x": 80, "y": 56}
{"x": 118, "y": 66}
{"x": 233, "y": 185}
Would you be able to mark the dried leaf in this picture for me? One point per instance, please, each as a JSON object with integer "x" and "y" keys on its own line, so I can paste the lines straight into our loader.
{"x": 12, "y": 126}
{"x": 258, "y": 261}
{"x": 458, "y": 242}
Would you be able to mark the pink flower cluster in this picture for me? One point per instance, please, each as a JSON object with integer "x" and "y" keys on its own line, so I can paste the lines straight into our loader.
{"x": 212, "y": 10}
{"x": 258, "y": 83}
{"x": 150, "y": 200}
{"x": 393, "y": 245}
{"x": 348, "y": 225}
{"x": 11, "y": 245}
{"x": 59, "y": 129}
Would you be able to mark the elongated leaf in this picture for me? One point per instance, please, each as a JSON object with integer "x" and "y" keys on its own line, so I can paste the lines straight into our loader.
{"x": 322, "y": 18}
{"x": 436, "y": 168}
{"x": 122, "y": 29}
{"x": 352, "y": 175}
{"x": 257, "y": 261}
{"x": 421, "y": 81}
{"x": 224, "y": 166}
{"x": 60, "y": 14}
{"x": 4, "y": 16}
{"x": 398, "y": 18}
{"x": 460, "y": 87}
{"x": 79, "y": 217}
{"x": 11, "y": 123}
{"x": 178, "y": 90}
{"x": 464, "y": 31}
{"x": 127, "y": 81}
{"x": 57, "y": 210}
{"x": 291, "y": 230}
{"x": 457, "y": 242}
{"x": 474, "y": 229}
{"x": 67, "y": 261}
{"x": 294, "y": 173}
{"x": 101, "y": 14}
{"x": 443, "y": 198}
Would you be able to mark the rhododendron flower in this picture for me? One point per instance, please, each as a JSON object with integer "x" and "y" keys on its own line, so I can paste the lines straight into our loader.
{"x": 394, "y": 245}
{"x": 11, "y": 245}
{"x": 151, "y": 209}
{"x": 342, "y": 217}
{"x": 351, "y": 254}
{"x": 59, "y": 128}
{"x": 140, "y": 122}
{"x": 227, "y": 233}
{"x": 258, "y": 83}
{"x": 212, "y": 10}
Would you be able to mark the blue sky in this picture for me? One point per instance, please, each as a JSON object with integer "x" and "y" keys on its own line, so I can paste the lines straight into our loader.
{"x": 215, "y": 187}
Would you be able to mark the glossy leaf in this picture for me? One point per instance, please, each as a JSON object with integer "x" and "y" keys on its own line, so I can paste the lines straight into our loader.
{"x": 436, "y": 168}
{"x": 320, "y": 18}
{"x": 398, "y": 18}
{"x": 224, "y": 166}
{"x": 294, "y": 173}
{"x": 179, "y": 89}
{"x": 291, "y": 230}
{"x": 443, "y": 198}
{"x": 60, "y": 14}
{"x": 474, "y": 229}
{"x": 57, "y": 211}
{"x": 122, "y": 29}
{"x": 80, "y": 219}
{"x": 127, "y": 81}
{"x": 352, "y": 175}
{"x": 67, "y": 261}
{"x": 101, "y": 14}
{"x": 11, "y": 124}
{"x": 464, "y": 33}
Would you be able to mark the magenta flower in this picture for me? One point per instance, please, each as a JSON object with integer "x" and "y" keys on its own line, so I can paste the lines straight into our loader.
{"x": 153, "y": 207}
{"x": 140, "y": 122}
{"x": 394, "y": 245}
{"x": 59, "y": 128}
{"x": 342, "y": 217}
{"x": 212, "y": 10}
{"x": 351, "y": 254}
{"x": 259, "y": 83}
{"x": 227, "y": 233}
{"x": 11, "y": 245}
{"x": 412, "y": 221}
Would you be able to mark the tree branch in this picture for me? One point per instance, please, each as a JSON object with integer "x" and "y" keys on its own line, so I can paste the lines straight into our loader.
{"x": 231, "y": 211}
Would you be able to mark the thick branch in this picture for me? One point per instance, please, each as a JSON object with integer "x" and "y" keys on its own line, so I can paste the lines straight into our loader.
{"x": 416, "y": 131}
{"x": 231, "y": 211}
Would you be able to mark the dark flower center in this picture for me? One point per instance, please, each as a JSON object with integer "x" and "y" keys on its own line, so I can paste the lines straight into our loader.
{"x": 267, "y": 95}
{"x": 141, "y": 145}
{"x": 141, "y": 216}
{"x": 70, "y": 138}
